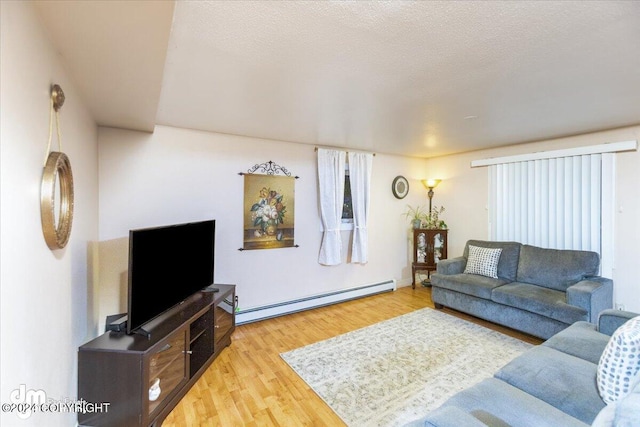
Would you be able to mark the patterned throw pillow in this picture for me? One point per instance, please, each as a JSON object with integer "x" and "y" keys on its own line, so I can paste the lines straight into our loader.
{"x": 483, "y": 261}
{"x": 619, "y": 366}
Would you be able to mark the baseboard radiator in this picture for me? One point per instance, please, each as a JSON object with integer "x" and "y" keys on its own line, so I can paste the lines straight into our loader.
{"x": 288, "y": 307}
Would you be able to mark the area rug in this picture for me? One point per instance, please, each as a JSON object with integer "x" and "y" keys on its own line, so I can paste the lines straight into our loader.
{"x": 398, "y": 370}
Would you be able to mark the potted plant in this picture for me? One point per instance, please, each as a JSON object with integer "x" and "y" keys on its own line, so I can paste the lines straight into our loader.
{"x": 416, "y": 215}
{"x": 433, "y": 221}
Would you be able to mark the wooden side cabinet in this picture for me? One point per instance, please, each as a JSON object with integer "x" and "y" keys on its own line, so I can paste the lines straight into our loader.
{"x": 142, "y": 379}
{"x": 429, "y": 247}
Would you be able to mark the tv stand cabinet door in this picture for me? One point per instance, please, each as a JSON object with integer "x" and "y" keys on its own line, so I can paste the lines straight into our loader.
{"x": 166, "y": 372}
{"x": 224, "y": 321}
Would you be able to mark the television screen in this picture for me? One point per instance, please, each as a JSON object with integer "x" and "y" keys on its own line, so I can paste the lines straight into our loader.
{"x": 166, "y": 266}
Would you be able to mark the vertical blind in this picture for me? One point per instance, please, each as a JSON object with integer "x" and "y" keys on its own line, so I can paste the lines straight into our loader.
{"x": 552, "y": 203}
{"x": 561, "y": 199}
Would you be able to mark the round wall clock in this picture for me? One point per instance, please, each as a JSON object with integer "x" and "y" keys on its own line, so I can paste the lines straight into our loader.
{"x": 400, "y": 187}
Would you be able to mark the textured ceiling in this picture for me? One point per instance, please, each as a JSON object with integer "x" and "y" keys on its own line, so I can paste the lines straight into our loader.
{"x": 392, "y": 77}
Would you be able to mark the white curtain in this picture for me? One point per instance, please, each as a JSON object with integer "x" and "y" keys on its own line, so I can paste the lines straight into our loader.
{"x": 360, "y": 165}
{"x": 552, "y": 203}
{"x": 331, "y": 182}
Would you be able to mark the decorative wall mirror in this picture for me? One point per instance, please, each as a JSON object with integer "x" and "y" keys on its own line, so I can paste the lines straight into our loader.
{"x": 56, "y": 191}
{"x": 56, "y": 214}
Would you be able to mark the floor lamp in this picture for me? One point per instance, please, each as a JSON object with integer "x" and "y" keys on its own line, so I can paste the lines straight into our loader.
{"x": 430, "y": 184}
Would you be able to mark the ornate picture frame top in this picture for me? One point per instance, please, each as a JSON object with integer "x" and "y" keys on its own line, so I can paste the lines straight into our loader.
{"x": 57, "y": 179}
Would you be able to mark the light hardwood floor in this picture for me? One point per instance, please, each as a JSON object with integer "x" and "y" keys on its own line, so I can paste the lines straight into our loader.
{"x": 250, "y": 385}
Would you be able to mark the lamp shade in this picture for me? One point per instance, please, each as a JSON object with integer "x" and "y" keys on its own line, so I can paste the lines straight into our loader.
{"x": 431, "y": 183}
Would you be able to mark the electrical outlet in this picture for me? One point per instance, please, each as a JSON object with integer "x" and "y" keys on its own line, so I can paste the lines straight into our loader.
{"x": 619, "y": 306}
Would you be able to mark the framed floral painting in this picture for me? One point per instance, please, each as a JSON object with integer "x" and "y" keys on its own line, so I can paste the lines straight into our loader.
{"x": 269, "y": 211}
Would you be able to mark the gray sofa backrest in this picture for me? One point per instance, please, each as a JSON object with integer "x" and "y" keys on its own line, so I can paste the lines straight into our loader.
{"x": 554, "y": 268}
{"x": 508, "y": 263}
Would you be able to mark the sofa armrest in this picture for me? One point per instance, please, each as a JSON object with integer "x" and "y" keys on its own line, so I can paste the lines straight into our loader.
{"x": 593, "y": 294}
{"x": 449, "y": 416}
{"x": 451, "y": 266}
{"x": 610, "y": 320}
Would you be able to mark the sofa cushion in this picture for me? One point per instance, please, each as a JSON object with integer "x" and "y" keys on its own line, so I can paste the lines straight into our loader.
{"x": 540, "y": 300}
{"x": 563, "y": 381}
{"x": 497, "y": 403}
{"x": 581, "y": 340}
{"x": 555, "y": 269}
{"x": 470, "y": 284}
{"x": 619, "y": 366}
{"x": 483, "y": 261}
{"x": 508, "y": 263}
{"x": 447, "y": 417}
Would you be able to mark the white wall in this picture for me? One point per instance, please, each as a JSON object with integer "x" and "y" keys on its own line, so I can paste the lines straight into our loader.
{"x": 464, "y": 193}
{"x": 43, "y": 293}
{"x": 178, "y": 175}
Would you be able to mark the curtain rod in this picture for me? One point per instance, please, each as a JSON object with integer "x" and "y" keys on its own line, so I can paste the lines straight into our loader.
{"x": 346, "y": 151}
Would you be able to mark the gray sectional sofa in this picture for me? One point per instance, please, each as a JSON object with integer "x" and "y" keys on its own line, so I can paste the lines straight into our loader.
{"x": 537, "y": 291}
{"x": 550, "y": 385}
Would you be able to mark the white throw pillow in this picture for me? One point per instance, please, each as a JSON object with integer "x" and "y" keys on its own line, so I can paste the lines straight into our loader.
{"x": 483, "y": 261}
{"x": 619, "y": 366}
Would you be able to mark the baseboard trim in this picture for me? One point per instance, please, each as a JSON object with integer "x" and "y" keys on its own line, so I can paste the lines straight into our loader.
{"x": 294, "y": 306}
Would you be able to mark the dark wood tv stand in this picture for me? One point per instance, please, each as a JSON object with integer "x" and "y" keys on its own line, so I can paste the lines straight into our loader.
{"x": 142, "y": 379}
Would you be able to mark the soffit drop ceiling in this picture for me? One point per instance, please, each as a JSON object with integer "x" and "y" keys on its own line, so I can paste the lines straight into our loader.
{"x": 115, "y": 53}
{"x": 392, "y": 77}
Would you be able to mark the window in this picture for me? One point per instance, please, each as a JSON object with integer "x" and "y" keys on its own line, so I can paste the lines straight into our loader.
{"x": 552, "y": 203}
{"x": 339, "y": 210}
{"x": 605, "y": 182}
{"x": 347, "y": 205}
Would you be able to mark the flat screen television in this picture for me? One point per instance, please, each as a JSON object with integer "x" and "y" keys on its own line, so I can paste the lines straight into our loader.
{"x": 166, "y": 266}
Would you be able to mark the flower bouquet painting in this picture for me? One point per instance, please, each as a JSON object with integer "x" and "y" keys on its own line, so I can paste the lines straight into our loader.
{"x": 268, "y": 212}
